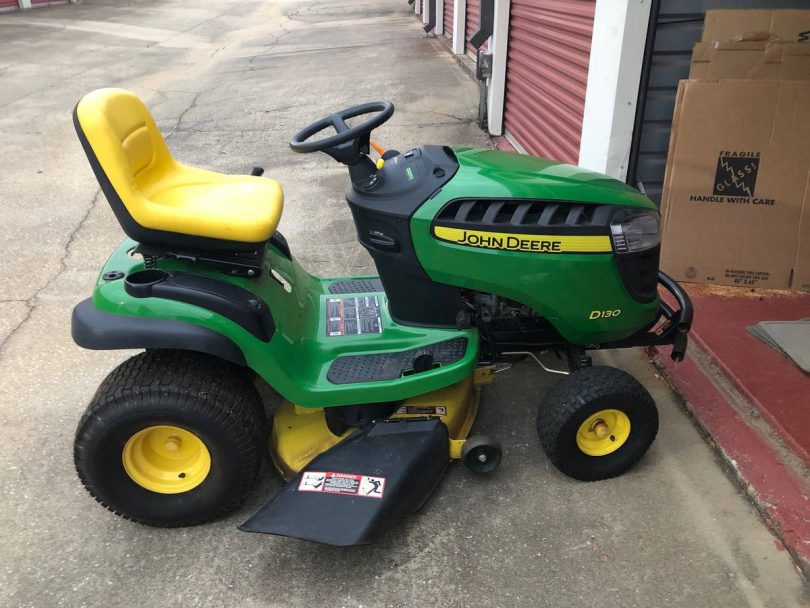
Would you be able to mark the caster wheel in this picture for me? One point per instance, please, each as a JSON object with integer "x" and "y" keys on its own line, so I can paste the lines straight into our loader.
{"x": 481, "y": 454}
{"x": 597, "y": 423}
{"x": 171, "y": 438}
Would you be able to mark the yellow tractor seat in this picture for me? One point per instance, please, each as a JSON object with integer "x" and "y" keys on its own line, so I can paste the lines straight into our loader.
{"x": 159, "y": 201}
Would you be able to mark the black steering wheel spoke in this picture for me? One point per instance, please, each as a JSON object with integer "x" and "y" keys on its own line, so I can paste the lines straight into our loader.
{"x": 339, "y": 124}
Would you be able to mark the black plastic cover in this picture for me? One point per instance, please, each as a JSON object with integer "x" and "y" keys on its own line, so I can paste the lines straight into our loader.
{"x": 410, "y": 455}
{"x": 382, "y": 216}
{"x": 639, "y": 272}
{"x": 95, "y": 329}
{"x": 226, "y": 299}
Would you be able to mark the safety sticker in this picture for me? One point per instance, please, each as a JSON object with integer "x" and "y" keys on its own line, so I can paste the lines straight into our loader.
{"x": 425, "y": 410}
{"x": 353, "y": 316}
{"x": 348, "y": 484}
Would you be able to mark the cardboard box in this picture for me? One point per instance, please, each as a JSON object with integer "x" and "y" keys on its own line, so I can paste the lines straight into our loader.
{"x": 801, "y": 266}
{"x": 736, "y": 182}
{"x": 751, "y": 59}
{"x": 790, "y": 25}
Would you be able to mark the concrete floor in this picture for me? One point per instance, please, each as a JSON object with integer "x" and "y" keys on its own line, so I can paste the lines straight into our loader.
{"x": 229, "y": 81}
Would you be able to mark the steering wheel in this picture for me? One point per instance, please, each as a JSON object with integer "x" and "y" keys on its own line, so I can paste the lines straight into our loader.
{"x": 381, "y": 110}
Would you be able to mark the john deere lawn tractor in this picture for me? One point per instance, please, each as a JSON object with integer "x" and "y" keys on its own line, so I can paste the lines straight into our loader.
{"x": 483, "y": 258}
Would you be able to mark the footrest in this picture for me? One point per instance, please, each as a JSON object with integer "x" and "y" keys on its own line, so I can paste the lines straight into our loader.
{"x": 356, "y": 286}
{"x": 390, "y": 366}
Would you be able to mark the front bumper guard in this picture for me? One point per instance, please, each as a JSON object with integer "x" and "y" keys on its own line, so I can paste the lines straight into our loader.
{"x": 670, "y": 327}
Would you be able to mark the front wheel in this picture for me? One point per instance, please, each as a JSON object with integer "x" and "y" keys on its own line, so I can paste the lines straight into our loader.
{"x": 481, "y": 454}
{"x": 171, "y": 438}
{"x": 597, "y": 423}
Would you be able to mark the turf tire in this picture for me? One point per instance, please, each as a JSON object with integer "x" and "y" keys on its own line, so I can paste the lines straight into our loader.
{"x": 214, "y": 399}
{"x": 581, "y": 394}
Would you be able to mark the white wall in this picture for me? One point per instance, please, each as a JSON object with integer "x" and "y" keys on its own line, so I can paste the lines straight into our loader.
{"x": 459, "y": 23}
{"x": 614, "y": 71}
{"x": 497, "y": 83}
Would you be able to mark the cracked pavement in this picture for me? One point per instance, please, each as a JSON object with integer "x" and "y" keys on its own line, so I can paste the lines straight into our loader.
{"x": 229, "y": 82}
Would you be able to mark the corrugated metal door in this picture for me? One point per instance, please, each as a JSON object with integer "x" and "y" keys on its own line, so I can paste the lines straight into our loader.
{"x": 449, "y": 5}
{"x": 547, "y": 74}
{"x": 675, "y": 27}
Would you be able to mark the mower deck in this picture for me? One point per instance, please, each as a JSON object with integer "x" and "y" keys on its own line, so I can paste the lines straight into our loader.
{"x": 372, "y": 475}
{"x": 300, "y": 434}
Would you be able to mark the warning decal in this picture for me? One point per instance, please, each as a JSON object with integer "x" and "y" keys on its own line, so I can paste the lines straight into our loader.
{"x": 350, "y": 484}
{"x": 353, "y": 316}
{"x": 425, "y": 410}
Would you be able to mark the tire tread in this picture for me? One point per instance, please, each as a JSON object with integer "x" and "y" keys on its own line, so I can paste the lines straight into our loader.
{"x": 191, "y": 381}
{"x": 567, "y": 396}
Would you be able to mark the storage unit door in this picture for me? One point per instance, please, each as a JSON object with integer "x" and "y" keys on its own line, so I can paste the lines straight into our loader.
{"x": 449, "y": 5}
{"x": 676, "y": 27}
{"x": 547, "y": 74}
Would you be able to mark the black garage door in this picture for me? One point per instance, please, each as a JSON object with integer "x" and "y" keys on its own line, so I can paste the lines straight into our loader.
{"x": 675, "y": 27}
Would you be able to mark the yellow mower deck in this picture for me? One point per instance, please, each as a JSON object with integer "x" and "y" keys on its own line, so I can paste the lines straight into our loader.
{"x": 300, "y": 434}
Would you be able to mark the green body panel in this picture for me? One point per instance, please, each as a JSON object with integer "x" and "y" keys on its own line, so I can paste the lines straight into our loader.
{"x": 296, "y": 360}
{"x": 564, "y": 288}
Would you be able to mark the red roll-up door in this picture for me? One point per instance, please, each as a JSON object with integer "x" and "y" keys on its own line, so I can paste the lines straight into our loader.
{"x": 449, "y": 5}
{"x": 8, "y": 5}
{"x": 547, "y": 74}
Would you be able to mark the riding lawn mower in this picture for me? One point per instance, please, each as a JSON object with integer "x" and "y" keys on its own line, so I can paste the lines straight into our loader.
{"x": 484, "y": 258}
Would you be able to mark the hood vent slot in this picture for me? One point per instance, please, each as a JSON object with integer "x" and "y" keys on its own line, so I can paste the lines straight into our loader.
{"x": 526, "y": 213}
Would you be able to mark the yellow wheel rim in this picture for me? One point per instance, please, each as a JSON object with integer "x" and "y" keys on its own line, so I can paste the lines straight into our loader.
{"x": 166, "y": 459}
{"x": 603, "y": 433}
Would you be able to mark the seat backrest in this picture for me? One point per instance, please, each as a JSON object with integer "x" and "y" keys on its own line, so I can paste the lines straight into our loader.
{"x": 124, "y": 147}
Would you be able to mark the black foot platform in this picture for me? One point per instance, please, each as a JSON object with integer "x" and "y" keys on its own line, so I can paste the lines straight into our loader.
{"x": 389, "y": 366}
{"x": 356, "y": 286}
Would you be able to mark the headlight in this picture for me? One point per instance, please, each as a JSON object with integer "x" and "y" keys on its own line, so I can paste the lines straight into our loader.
{"x": 635, "y": 231}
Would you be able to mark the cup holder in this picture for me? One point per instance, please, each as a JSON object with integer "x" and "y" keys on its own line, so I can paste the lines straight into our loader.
{"x": 139, "y": 284}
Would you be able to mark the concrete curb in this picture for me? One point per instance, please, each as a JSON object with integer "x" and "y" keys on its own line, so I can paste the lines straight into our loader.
{"x": 781, "y": 497}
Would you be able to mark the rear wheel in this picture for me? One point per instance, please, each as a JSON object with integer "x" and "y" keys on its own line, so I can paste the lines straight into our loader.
{"x": 171, "y": 438}
{"x": 597, "y": 423}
